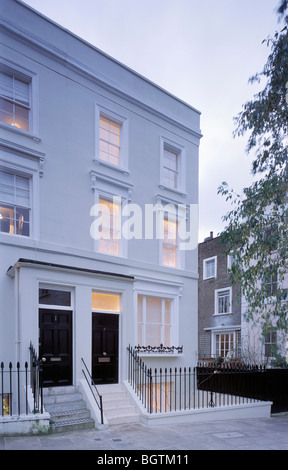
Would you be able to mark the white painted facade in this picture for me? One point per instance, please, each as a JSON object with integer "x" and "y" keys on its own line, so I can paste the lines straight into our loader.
{"x": 71, "y": 85}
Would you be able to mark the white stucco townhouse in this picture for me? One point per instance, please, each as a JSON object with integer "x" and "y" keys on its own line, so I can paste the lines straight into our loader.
{"x": 98, "y": 207}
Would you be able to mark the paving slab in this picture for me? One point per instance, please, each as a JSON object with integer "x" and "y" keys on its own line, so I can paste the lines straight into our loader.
{"x": 246, "y": 434}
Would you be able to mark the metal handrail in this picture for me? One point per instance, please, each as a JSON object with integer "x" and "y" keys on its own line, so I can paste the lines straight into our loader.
{"x": 90, "y": 382}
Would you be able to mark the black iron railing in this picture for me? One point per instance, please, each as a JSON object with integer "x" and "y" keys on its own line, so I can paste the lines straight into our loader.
{"x": 36, "y": 380}
{"x": 94, "y": 390}
{"x": 14, "y": 387}
{"x": 176, "y": 389}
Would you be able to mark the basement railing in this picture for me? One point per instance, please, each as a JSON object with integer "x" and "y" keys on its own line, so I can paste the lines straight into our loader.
{"x": 175, "y": 389}
{"x": 93, "y": 389}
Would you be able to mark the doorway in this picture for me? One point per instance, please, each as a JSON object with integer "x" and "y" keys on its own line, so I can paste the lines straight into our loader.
{"x": 105, "y": 345}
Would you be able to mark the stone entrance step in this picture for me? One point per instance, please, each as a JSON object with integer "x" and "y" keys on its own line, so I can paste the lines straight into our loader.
{"x": 67, "y": 409}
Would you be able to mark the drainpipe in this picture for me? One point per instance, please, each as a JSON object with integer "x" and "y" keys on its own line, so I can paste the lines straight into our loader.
{"x": 17, "y": 308}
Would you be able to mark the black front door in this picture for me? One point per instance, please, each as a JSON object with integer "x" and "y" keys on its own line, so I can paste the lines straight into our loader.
{"x": 55, "y": 346}
{"x": 105, "y": 328}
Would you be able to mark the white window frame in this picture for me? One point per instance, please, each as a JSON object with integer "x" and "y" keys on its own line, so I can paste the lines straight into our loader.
{"x": 16, "y": 164}
{"x": 121, "y": 121}
{"x": 168, "y": 209}
{"x": 179, "y": 150}
{"x": 14, "y": 205}
{"x": 143, "y": 341}
{"x": 32, "y": 78}
{"x": 152, "y": 287}
{"x": 109, "y": 188}
{"x": 205, "y": 262}
{"x": 59, "y": 287}
{"x": 216, "y": 353}
{"x": 219, "y": 292}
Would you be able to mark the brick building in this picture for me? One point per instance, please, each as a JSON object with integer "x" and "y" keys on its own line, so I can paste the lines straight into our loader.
{"x": 219, "y": 307}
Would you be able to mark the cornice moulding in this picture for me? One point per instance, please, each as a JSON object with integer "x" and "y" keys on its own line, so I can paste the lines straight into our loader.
{"x": 101, "y": 80}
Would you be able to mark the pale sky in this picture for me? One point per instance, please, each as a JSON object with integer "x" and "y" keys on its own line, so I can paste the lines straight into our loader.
{"x": 203, "y": 52}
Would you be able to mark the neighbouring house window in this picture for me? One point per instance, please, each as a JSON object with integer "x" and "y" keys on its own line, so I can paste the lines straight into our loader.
{"x": 15, "y": 203}
{"x": 231, "y": 259}
{"x": 169, "y": 249}
{"x": 209, "y": 267}
{"x": 223, "y": 299}
{"x": 270, "y": 343}
{"x": 109, "y": 141}
{"x": 224, "y": 343}
{"x": 154, "y": 321}
{"x": 15, "y": 100}
{"x": 270, "y": 280}
{"x": 110, "y": 228}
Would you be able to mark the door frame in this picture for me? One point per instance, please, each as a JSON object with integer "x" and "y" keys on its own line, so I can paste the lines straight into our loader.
{"x": 71, "y": 308}
{"x": 115, "y": 314}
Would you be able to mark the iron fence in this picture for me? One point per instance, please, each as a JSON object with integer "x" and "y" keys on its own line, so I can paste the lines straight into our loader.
{"x": 14, "y": 387}
{"x": 177, "y": 389}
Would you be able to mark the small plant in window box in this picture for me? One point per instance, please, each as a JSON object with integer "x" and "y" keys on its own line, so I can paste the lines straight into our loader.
{"x": 218, "y": 360}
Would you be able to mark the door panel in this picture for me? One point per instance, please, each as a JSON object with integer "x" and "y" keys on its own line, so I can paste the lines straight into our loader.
{"x": 105, "y": 330}
{"x": 55, "y": 346}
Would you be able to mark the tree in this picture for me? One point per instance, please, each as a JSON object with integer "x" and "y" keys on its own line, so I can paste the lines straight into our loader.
{"x": 257, "y": 224}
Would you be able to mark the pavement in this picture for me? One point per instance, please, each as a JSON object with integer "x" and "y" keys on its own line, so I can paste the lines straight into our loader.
{"x": 245, "y": 434}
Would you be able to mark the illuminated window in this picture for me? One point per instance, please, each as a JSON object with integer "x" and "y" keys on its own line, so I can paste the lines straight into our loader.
{"x": 110, "y": 227}
{"x": 154, "y": 321}
{"x": 109, "y": 141}
{"x": 15, "y": 101}
{"x": 169, "y": 249}
{"x": 105, "y": 302}
{"x": 14, "y": 204}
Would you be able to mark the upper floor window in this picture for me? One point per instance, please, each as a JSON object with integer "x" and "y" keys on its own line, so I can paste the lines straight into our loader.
{"x": 209, "y": 267}
{"x": 15, "y": 203}
{"x": 169, "y": 248}
{"x": 109, "y": 141}
{"x": 15, "y": 100}
{"x": 270, "y": 343}
{"x": 110, "y": 229}
{"x": 223, "y": 301}
{"x": 270, "y": 280}
{"x": 172, "y": 172}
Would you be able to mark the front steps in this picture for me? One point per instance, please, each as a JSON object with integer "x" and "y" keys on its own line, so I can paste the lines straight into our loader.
{"x": 67, "y": 409}
{"x": 118, "y": 406}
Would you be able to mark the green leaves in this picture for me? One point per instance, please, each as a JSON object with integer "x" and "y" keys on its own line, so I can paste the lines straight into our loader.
{"x": 257, "y": 224}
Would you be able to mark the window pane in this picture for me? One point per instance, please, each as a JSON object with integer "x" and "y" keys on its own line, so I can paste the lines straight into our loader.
{"x": 153, "y": 335}
{"x": 15, "y": 101}
{"x": 105, "y": 302}
{"x": 224, "y": 302}
{"x": 210, "y": 268}
{"x": 54, "y": 297}
{"x": 109, "y": 229}
{"x": 109, "y": 148}
{"x": 153, "y": 310}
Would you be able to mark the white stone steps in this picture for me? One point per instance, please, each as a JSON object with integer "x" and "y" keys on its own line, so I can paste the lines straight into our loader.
{"x": 67, "y": 409}
{"x": 118, "y": 406}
